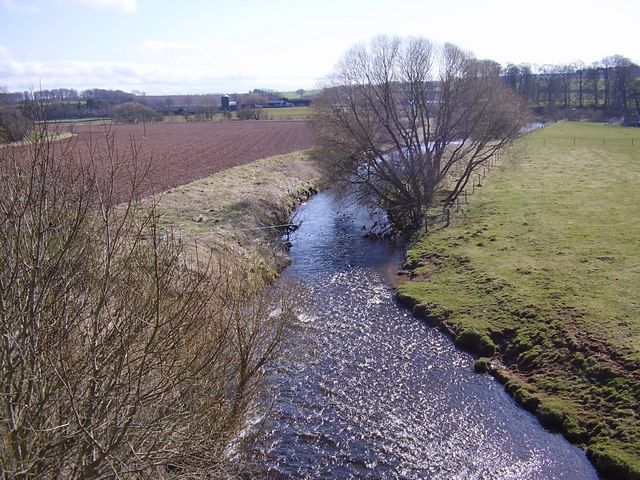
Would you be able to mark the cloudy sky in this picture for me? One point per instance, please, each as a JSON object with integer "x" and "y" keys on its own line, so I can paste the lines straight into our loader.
{"x": 204, "y": 46}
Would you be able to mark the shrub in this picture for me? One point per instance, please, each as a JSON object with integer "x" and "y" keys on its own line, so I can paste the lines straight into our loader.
{"x": 13, "y": 125}
{"x": 121, "y": 355}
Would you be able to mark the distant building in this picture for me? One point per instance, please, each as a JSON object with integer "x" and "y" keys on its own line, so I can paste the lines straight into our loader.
{"x": 226, "y": 105}
{"x": 278, "y": 103}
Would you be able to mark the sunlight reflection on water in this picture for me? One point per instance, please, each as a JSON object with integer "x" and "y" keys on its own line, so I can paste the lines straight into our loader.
{"x": 369, "y": 391}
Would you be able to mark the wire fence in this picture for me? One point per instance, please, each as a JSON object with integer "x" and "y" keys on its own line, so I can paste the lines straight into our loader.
{"x": 585, "y": 141}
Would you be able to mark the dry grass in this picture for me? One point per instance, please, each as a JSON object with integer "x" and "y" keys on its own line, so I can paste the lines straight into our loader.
{"x": 237, "y": 207}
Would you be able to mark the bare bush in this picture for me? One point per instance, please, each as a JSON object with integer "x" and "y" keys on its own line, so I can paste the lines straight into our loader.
{"x": 14, "y": 126}
{"x": 409, "y": 123}
{"x": 120, "y": 356}
{"x": 254, "y": 113}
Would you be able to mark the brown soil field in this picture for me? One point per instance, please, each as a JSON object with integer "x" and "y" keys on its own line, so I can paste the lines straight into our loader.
{"x": 178, "y": 153}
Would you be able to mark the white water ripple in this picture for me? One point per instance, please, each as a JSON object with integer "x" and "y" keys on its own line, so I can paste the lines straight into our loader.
{"x": 368, "y": 391}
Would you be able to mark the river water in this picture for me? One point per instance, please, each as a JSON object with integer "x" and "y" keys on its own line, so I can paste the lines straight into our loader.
{"x": 369, "y": 391}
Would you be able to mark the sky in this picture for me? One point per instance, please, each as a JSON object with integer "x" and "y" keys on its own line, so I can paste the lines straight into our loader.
{"x": 226, "y": 46}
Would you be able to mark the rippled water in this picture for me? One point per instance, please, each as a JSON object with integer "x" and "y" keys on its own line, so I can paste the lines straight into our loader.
{"x": 369, "y": 391}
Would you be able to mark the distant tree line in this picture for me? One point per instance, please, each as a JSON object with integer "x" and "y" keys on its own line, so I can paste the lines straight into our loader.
{"x": 63, "y": 103}
{"x": 610, "y": 87}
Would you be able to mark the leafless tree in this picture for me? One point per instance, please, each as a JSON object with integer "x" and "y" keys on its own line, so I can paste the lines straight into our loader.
{"x": 579, "y": 68}
{"x": 593, "y": 79}
{"x": 565, "y": 74}
{"x": 121, "y": 357}
{"x": 409, "y": 123}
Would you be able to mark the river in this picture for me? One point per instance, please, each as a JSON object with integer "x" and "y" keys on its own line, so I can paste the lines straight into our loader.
{"x": 369, "y": 391}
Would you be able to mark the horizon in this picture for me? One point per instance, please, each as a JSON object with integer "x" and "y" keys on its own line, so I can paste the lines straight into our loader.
{"x": 200, "y": 47}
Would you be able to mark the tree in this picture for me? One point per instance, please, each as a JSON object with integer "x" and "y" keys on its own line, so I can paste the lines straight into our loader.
{"x": 300, "y": 92}
{"x": 132, "y": 112}
{"x": 565, "y": 75}
{"x": 593, "y": 78}
{"x": 409, "y": 124}
{"x": 579, "y": 68}
{"x": 552, "y": 85}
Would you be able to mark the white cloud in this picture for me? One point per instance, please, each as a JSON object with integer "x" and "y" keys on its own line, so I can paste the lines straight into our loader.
{"x": 14, "y": 6}
{"x": 125, "y": 6}
{"x": 149, "y": 77}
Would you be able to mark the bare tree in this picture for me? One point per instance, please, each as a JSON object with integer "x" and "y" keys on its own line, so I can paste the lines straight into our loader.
{"x": 409, "y": 124}
{"x": 120, "y": 356}
{"x": 579, "y": 68}
{"x": 593, "y": 79}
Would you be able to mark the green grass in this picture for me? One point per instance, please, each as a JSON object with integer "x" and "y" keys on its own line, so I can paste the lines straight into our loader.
{"x": 288, "y": 113}
{"x": 285, "y": 113}
{"x": 80, "y": 121}
{"x": 192, "y": 118}
{"x": 547, "y": 267}
{"x": 293, "y": 95}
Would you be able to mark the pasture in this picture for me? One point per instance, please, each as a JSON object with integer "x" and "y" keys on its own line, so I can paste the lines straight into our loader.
{"x": 545, "y": 269}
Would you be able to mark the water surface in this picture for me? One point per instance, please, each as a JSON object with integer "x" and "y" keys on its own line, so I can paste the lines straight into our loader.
{"x": 369, "y": 391}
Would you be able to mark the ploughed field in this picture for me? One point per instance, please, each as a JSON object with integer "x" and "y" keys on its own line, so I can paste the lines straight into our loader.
{"x": 178, "y": 153}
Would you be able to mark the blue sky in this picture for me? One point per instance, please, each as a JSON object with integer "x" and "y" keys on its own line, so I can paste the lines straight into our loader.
{"x": 198, "y": 46}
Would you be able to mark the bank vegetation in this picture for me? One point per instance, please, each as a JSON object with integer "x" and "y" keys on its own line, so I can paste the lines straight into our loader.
{"x": 127, "y": 350}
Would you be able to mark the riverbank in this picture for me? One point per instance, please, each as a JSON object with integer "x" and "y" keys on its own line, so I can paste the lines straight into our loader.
{"x": 240, "y": 210}
{"x": 542, "y": 280}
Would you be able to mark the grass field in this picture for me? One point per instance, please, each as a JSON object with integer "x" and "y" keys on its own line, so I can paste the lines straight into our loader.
{"x": 288, "y": 113}
{"x": 293, "y": 95}
{"x": 81, "y": 121}
{"x": 544, "y": 277}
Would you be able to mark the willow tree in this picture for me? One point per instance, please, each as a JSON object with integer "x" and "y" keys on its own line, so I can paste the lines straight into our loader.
{"x": 409, "y": 123}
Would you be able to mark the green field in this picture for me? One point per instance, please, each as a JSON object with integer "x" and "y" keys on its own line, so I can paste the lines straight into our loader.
{"x": 543, "y": 275}
{"x": 80, "y": 121}
{"x": 293, "y": 95}
{"x": 288, "y": 113}
{"x": 285, "y": 113}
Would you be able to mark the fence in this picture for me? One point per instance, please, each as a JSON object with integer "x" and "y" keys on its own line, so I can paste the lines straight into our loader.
{"x": 584, "y": 141}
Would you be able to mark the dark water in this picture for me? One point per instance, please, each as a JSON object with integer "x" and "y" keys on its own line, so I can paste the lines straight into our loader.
{"x": 369, "y": 391}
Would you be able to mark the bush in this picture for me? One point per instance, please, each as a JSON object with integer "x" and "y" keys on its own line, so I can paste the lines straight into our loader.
{"x": 13, "y": 125}
{"x": 121, "y": 355}
{"x": 251, "y": 114}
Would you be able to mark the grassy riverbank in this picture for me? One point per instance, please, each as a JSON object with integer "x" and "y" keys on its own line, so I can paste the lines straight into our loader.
{"x": 237, "y": 208}
{"x": 544, "y": 276}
